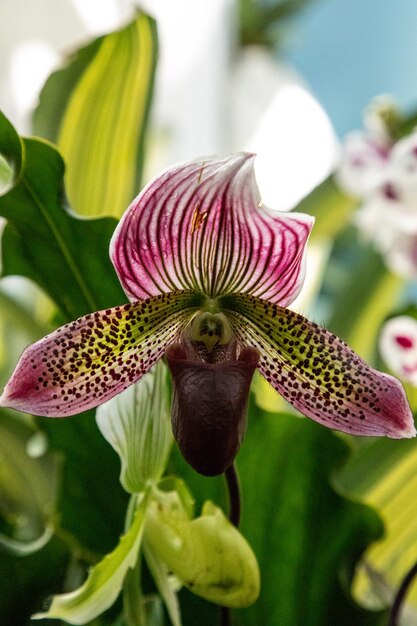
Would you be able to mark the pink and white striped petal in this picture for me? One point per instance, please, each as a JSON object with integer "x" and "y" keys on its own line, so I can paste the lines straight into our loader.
{"x": 201, "y": 225}
{"x": 318, "y": 373}
{"x": 90, "y": 360}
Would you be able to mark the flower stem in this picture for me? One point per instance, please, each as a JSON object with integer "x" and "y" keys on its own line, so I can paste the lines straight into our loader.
{"x": 233, "y": 488}
{"x": 399, "y": 598}
{"x": 232, "y": 480}
{"x": 132, "y": 593}
{"x": 225, "y": 616}
{"x": 132, "y": 597}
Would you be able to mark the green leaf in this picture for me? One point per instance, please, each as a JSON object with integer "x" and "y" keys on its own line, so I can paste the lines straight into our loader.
{"x": 306, "y": 537}
{"x": 164, "y": 582}
{"x": 11, "y": 155}
{"x": 372, "y": 291}
{"x": 382, "y": 474}
{"x": 26, "y": 582}
{"x": 28, "y": 487}
{"x": 66, "y": 256}
{"x": 92, "y": 503}
{"x": 96, "y": 110}
{"x": 44, "y": 242}
{"x": 104, "y": 581}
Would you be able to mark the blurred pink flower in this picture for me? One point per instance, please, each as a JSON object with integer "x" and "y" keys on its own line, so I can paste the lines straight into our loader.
{"x": 383, "y": 174}
{"x": 398, "y": 347}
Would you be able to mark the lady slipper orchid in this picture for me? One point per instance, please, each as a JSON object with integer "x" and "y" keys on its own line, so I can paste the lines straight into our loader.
{"x": 209, "y": 272}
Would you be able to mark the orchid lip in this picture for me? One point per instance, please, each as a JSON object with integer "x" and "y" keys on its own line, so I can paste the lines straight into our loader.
{"x": 209, "y": 407}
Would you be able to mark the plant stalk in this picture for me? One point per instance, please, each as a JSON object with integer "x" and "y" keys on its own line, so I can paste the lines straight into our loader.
{"x": 132, "y": 593}
{"x": 233, "y": 489}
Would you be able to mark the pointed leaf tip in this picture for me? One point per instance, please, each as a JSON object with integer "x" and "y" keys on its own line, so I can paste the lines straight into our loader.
{"x": 105, "y": 579}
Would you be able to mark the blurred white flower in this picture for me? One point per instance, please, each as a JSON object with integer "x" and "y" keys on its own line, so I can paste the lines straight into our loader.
{"x": 402, "y": 174}
{"x": 392, "y": 229}
{"x": 364, "y": 163}
{"x": 398, "y": 347}
{"x": 383, "y": 174}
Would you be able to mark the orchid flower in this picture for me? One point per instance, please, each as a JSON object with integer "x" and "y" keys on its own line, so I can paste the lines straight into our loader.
{"x": 364, "y": 163}
{"x": 366, "y": 153}
{"x": 209, "y": 272}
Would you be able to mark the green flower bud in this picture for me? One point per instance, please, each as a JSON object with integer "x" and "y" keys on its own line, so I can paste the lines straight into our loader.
{"x": 208, "y": 554}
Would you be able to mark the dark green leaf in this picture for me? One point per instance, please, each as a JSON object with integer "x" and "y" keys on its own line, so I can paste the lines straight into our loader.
{"x": 68, "y": 257}
{"x": 92, "y": 503}
{"x": 307, "y": 537}
{"x": 26, "y": 582}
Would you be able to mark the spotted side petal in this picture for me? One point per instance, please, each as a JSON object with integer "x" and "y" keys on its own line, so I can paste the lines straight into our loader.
{"x": 200, "y": 225}
{"x": 87, "y": 362}
{"x": 318, "y": 373}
